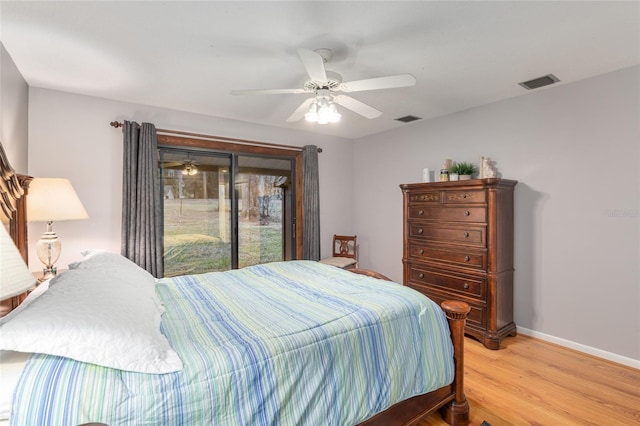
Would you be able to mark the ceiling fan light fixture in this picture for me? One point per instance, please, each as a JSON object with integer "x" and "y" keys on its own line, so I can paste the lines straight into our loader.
{"x": 312, "y": 115}
{"x": 323, "y": 108}
{"x": 322, "y": 111}
{"x": 334, "y": 115}
{"x": 189, "y": 169}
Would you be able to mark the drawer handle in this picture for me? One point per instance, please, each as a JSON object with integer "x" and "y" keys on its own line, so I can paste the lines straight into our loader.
{"x": 421, "y": 212}
{"x": 465, "y": 234}
{"x": 466, "y": 286}
{"x": 420, "y": 231}
{"x": 467, "y": 258}
{"x": 467, "y": 213}
{"x": 420, "y": 251}
{"x": 420, "y": 275}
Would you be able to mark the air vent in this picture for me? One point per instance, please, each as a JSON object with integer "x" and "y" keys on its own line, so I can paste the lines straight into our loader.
{"x": 536, "y": 83}
{"x": 408, "y": 118}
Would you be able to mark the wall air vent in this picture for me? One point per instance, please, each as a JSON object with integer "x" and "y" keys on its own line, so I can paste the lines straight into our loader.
{"x": 536, "y": 83}
{"x": 408, "y": 118}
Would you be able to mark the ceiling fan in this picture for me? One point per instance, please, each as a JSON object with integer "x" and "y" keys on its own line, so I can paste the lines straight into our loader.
{"x": 189, "y": 167}
{"x": 325, "y": 86}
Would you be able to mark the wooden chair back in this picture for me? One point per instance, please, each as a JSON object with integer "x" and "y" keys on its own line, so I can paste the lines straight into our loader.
{"x": 345, "y": 246}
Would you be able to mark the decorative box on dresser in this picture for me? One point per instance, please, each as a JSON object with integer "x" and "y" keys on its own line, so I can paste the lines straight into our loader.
{"x": 458, "y": 244}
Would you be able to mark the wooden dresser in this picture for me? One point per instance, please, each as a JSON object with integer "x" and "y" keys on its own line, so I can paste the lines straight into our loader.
{"x": 458, "y": 244}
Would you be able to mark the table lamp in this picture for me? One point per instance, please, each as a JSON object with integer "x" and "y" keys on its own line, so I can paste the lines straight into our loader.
{"x": 48, "y": 200}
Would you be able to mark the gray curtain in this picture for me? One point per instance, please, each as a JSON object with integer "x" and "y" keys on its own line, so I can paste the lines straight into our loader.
{"x": 310, "y": 204}
{"x": 141, "y": 198}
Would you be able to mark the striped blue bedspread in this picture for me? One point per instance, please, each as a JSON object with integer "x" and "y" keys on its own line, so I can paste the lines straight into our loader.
{"x": 286, "y": 343}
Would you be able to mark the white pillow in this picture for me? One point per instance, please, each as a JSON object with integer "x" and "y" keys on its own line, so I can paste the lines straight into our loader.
{"x": 103, "y": 311}
{"x": 112, "y": 263}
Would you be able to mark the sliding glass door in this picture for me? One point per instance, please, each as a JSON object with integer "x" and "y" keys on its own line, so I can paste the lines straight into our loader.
{"x": 208, "y": 227}
{"x": 197, "y": 212}
{"x": 261, "y": 188}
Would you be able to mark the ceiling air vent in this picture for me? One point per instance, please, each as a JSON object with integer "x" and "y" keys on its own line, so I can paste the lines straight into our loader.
{"x": 536, "y": 83}
{"x": 408, "y": 118}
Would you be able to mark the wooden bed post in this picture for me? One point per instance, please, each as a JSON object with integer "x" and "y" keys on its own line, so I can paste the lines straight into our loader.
{"x": 457, "y": 411}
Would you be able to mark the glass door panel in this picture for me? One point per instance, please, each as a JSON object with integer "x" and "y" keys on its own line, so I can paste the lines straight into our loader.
{"x": 197, "y": 212}
{"x": 262, "y": 190}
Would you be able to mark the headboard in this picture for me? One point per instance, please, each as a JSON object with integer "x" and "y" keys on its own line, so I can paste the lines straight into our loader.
{"x": 13, "y": 191}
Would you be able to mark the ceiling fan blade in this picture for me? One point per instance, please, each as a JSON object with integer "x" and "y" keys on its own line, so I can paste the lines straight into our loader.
{"x": 389, "y": 82}
{"x": 301, "y": 111}
{"x": 170, "y": 164}
{"x": 314, "y": 64}
{"x": 268, "y": 91}
{"x": 357, "y": 106}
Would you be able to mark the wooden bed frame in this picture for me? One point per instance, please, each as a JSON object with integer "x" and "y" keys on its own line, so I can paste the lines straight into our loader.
{"x": 13, "y": 188}
{"x": 450, "y": 400}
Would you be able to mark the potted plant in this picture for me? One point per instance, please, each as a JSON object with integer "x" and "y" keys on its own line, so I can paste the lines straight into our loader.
{"x": 463, "y": 169}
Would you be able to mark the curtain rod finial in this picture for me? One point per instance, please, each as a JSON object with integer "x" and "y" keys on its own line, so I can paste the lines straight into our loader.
{"x": 116, "y": 124}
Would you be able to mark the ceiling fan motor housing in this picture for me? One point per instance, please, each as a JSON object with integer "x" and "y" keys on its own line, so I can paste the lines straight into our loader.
{"x": 333, "y": 83}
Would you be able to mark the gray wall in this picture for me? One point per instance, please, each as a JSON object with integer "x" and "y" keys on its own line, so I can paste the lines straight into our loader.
{"x": 575, "y": 150}
{"x": 14, "y": 112}
{"x": 70, "y": 136}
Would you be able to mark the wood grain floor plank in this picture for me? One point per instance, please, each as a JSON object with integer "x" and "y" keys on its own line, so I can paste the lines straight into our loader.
{"x": 533, "y": 382}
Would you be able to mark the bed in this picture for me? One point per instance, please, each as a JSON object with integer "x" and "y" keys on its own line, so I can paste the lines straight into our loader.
{"x": 282, "y": 343}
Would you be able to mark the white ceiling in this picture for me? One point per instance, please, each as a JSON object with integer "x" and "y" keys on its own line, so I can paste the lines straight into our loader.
{"x": 189, "y": 55}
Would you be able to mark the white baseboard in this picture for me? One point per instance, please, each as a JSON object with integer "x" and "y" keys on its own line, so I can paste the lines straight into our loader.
{"x": 634, "y": 363}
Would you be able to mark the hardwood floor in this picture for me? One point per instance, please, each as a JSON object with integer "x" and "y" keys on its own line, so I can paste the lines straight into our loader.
{"x": 532, "y": 382}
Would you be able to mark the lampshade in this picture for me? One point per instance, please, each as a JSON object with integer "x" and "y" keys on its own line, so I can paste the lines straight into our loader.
{"x": 15, "y": 277}
{"x": 53, "y": 199}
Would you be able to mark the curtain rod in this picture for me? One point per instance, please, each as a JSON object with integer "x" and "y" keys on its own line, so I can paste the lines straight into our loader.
{"x": 117, "y": 124}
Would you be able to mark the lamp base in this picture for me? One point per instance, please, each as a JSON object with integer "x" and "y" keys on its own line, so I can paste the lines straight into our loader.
{"x": 48, "y": 249}
{"x": 48, "y": 273}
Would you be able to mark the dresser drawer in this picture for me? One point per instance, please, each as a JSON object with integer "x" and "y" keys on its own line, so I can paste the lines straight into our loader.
{"x": 467, "y": 235}
{"x": 461, "y": 256}
{"x": 447, "y": 281}
{"x": 453, "y": 197}
{"x": 450, "y": 214}
{"x": 424, "y": 197}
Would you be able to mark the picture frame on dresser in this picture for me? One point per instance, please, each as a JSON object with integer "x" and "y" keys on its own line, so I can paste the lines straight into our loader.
{"x": 458, "y": 244}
